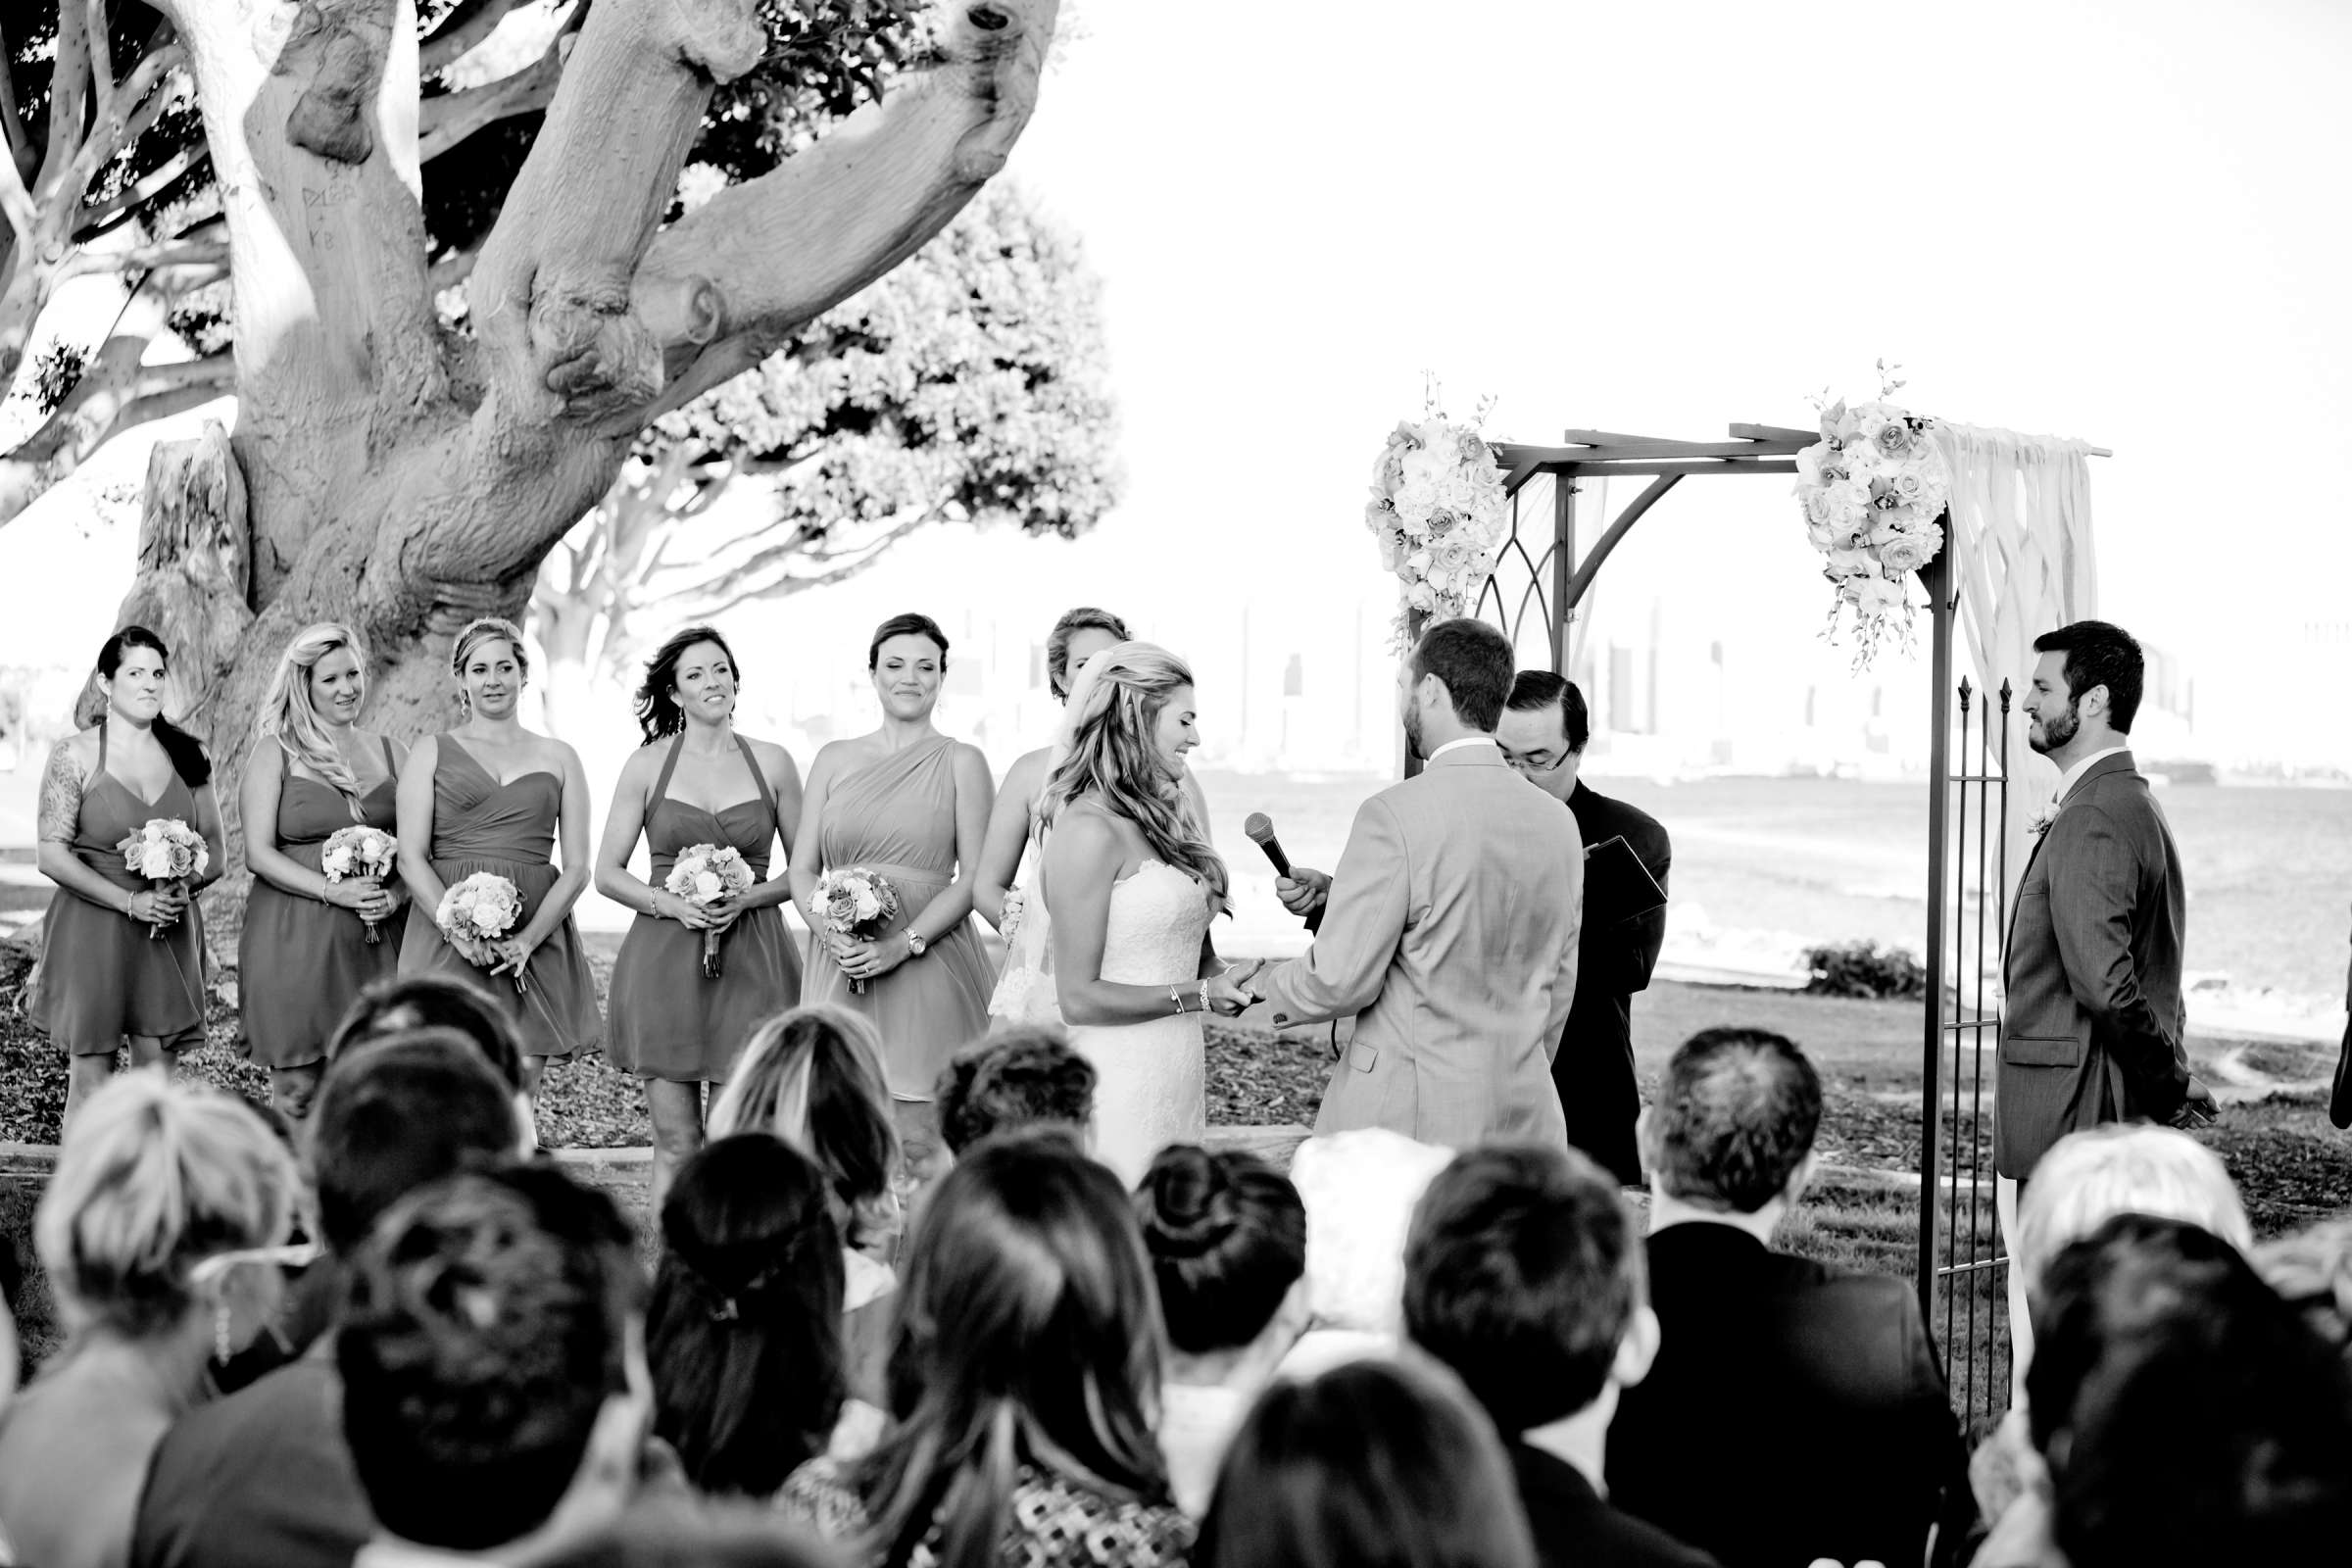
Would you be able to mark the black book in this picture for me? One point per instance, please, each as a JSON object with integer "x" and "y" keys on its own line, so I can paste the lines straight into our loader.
{"x": 1617, "y": 885}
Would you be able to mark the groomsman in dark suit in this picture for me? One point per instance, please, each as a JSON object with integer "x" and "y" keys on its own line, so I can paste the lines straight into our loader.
{"x": 2092, "y": 1026}
{"x": 1542, "y": 733}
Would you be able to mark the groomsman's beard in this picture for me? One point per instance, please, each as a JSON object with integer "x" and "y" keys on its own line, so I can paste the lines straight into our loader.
{"x": 1412, "y": 734}
{"x": 2046, "y": 735}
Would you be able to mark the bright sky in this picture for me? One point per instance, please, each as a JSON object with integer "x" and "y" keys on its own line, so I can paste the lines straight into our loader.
{"x": 2122, "y": 221}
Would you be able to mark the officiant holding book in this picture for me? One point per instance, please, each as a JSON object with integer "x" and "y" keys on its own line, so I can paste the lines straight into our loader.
{"x": 1543, "y": 734}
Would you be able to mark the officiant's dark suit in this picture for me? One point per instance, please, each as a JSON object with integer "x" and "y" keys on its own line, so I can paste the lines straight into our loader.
{"x": 2093, "y": 1028}
{"x": 1543, "y": 732}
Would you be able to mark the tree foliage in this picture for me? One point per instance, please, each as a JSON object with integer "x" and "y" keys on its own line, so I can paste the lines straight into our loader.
{"x": 967, "y": 385}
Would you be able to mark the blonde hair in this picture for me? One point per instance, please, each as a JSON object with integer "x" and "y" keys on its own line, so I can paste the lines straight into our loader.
{"x": 813, "y": 1077}
{"x": 154, "y": 1177}
{"x": 483, "y": 629}
{"x": 2091, "y": 1176}
{"x": 1114, "y": 708}
{"x": 291, "y": 718}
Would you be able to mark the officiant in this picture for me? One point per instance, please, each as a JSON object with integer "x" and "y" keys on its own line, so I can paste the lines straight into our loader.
{"x": 1543, "y": 734}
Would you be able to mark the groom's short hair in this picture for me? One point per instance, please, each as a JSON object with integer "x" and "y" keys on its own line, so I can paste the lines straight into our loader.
{"x": 2100, "y": 654}
{"x": 1522, "y": 1270}
{"x": 1476, "y": 664}
{"x": 1026, "y": 1076}
{"x": 1733, "y": 1119}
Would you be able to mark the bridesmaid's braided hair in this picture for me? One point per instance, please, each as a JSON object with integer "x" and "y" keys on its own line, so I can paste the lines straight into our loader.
{"x": 291, "y": 718}
{"x": 1112, "y": 754}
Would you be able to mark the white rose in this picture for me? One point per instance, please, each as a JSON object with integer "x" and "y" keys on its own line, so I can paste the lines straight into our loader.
{"x": 708, "y": 886}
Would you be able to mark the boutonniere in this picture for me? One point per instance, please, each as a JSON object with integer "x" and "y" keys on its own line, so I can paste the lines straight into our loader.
{"x": 2043, "y": 815}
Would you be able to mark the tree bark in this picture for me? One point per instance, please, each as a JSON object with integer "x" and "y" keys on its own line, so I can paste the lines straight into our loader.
{"x": 402, "y": 483}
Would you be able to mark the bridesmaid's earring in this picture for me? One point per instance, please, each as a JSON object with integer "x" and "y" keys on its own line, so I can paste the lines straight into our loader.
{"x": 221, "y": 1346}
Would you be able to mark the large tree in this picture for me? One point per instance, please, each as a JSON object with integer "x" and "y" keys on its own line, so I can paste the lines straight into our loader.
{"x": 331, "y": 169}
{"x": 966, "y": 385}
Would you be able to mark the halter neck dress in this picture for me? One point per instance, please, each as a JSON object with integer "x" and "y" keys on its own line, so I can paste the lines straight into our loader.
{"x": 101, "y": 977}
{"x": 896, "y": 817}
{"x": 302, "y": 961}
{"x": 509, "y": 830}
{"x": 668, "y": 1020}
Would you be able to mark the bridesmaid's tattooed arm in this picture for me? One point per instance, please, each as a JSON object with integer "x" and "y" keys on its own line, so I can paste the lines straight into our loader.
{"x": 60, "y": 811}
{"x": 61, "y": 795}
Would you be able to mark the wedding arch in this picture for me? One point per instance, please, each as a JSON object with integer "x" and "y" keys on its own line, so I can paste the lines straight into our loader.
{"x": 2017, "y": 560}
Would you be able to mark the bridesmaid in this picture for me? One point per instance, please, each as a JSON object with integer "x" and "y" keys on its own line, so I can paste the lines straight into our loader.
{"x": 1078, "y": 636}
{"x": 102, "y": 978}
{"x": 695, "y": 782}
{"x": 491, "y": 796}
{"x": 912, "y": 804}
{"x": 304, "y": 953}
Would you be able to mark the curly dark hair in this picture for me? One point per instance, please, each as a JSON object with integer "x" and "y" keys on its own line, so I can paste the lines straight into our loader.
{"x": 1015, "y": 1078}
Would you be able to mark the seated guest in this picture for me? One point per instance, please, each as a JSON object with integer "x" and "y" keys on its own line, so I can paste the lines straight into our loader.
{"x": 814, "y": 1078}
{"x": 1022, "y": 1380}
{"x": 1359, "y": 1189}
{"x": 2187, "y": 1415}
{"x": 1025, "y": 1076}
{"x": 1844, "y": 1445}
{"x": 1228, "y": 1242}
{"x": 2312, "y": 1269}
{"x": 432, "y": 1000}
{"x": 159, "y": 1233}
{"x": 1524, "y": 1275}
{"x": 668, "y": 1534}
{"x": 261, "y": 1479}
{"x": 1374, "y": 1464}
{"x": 743, "y": 1335}
{"x": 2086, "y": 1179}
{"x": 494, "y": 1396}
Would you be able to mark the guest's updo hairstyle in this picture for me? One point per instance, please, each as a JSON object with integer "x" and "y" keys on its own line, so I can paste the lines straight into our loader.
{"x": 909, "y": 624}
{"x": 195, "y": 769}
{"x": 1086, "y": 617}
{"x": 290, "y": 716}
{"x": 657, "y": 712}
{"x": 1227, "y": 1237}
{"x": 153, "y": 1178}
{"x": 488, "y": 629}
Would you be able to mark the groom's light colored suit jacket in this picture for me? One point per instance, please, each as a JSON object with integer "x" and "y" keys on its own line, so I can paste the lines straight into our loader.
{"x": 2092, "y": 1026}
{"x": 1451, "y": 932}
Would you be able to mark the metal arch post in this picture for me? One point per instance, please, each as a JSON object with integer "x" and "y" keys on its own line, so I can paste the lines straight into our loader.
{"x": 1562, "y": 609}
{"x": 1572, "y": 589}
{"x": 1937, "y": 580}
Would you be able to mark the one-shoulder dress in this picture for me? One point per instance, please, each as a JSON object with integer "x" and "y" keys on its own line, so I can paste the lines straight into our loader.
{"x": 897, "y": 817}
{"x": 101, "y": 977}
{"x": 667, "y": 1019}
{"x": 509, "y": 830}
{"x": 301, "y": 960}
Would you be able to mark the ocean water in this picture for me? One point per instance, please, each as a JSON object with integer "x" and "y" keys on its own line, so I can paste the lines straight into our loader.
{"x": 1765, "y": 862}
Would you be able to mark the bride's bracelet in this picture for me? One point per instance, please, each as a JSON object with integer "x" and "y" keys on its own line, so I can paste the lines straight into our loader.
{"x": 1177, "y": 997}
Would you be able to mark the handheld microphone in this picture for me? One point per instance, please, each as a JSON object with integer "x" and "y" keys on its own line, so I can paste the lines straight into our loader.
{"x": 1260, "y": 830}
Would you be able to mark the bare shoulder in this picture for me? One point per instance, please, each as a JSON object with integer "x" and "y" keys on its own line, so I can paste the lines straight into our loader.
{"x": 970, "y": 759}
{"x": 81, "y": 749}
{"x": 1086, "y": 830}
{"x": 834, "y": 756}
{"x": 423, "y": 753}
{"x": 770, "y": 754}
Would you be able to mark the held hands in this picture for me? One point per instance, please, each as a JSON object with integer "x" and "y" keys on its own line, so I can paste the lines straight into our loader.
{"x": 692, "y": 916}
{"x": 1228, "y": 993}
{"x": 1303, "y": 891}
{"x": 871, "y": 960}
{"x": 362, "y": 896}
{"x": 511, "y": 954}
{"x": 159, "y": 905}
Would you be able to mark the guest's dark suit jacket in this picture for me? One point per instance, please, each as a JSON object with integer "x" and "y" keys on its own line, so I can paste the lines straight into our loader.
{"x": 1594, "y": 1068}
{"x": 2092, "y": 1026}
{"x": 1574, "y": 1528}
{"x": 1792, "y": 1412}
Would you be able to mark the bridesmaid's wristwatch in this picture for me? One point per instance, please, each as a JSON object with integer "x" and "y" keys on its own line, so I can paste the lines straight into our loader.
{"x": 916, "y": 944}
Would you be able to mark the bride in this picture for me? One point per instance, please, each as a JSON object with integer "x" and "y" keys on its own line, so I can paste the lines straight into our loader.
{"x": 1129, "y": 884}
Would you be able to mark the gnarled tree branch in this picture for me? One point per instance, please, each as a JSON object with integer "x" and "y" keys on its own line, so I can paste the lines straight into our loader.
{"x": 460, "y": 31}
{"x": 114, "y": 394}
{"x": 722, "y": 286}
{"x": 443, "y": 123}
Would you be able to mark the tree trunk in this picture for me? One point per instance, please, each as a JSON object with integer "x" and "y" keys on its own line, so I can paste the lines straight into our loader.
{"x": 402, "y": 481}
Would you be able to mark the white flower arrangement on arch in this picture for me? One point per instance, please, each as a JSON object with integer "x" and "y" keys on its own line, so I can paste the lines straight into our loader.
{"x": 1439, "y": 514}
{"x": 1873, "y": 489}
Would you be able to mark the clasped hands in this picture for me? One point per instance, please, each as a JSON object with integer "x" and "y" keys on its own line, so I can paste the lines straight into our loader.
{"x": 166, "y": 903}
{"x": 716, "y": 915}
{"x": 363, "y": 896}
{"x": 862, "y": 958}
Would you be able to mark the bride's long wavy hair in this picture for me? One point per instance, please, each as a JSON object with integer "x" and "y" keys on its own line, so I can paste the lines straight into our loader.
{"x": 291, "y": 718}
{"x": 1115, "y": 703}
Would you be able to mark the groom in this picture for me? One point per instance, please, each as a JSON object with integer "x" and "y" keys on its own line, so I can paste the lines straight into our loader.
{"x": 1451, "y": 927}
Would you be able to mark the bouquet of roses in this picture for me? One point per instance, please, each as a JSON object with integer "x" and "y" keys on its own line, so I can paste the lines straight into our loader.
{"x": 482, "y": 907}
{"x": 859, "y": 905}
{"x": 1439, "y": 511}
{"x": 366, "y": 852}
{"x": 165, "y": 851}
{"x": 706, "y": 873}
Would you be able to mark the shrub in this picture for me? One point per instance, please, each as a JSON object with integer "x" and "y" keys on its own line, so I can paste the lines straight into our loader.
{"x": 1864, "y": 969}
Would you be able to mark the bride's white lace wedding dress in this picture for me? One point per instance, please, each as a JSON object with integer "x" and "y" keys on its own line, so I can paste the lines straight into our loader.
{"x": 1151, "y": 1077}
